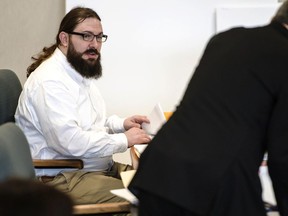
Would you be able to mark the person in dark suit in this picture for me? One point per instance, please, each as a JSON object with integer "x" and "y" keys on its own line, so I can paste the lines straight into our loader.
{"x": 205, "y": 159}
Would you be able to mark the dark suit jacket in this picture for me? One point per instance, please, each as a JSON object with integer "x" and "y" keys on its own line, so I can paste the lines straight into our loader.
{"x": 206, "y": 157}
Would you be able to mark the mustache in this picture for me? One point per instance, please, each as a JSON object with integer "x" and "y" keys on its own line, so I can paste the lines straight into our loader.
{"x": 92, "y": 51}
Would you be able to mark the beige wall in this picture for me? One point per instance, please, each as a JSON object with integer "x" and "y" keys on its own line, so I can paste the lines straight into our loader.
{"x": 26, "y": 27}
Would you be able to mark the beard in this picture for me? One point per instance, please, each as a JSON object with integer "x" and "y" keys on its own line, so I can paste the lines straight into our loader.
{"x": 90, "y": 68}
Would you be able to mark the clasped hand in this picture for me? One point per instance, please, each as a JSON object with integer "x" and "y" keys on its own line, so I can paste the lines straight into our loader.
{"x": 134, "y": 133}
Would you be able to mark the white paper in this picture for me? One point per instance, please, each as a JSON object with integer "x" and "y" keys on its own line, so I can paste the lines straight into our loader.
{"x": 127, "y": 177}
{"x": 156, "y": 118}
{"x": 126, "y": 194}
{"x": 268, "y": 192}
{"x": 139, "y": 148}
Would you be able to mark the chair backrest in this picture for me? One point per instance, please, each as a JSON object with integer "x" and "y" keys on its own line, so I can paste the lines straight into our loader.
{"x": 10, "y": 89}
{"x": 15, "y": 156}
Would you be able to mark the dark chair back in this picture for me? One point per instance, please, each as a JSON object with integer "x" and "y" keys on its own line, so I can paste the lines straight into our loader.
{"x": 15, "y": 156}
{"x": 10, "y": 89}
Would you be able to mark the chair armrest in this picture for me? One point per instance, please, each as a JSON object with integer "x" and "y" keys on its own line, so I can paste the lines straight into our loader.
{"x": 58, "y": 163}
{"x": 101, "y": 208}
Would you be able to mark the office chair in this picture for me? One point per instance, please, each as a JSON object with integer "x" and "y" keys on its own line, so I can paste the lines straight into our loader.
{"x": 15, "y": 156}
{"x": 10, "y": 89}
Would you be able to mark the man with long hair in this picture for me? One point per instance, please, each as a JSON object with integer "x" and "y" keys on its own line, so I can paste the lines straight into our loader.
{"x": 235, "y": 109}
{"x": 63, "y": 114}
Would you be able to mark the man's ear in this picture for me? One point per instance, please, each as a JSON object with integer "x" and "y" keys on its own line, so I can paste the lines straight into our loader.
{"x": 64, "y": 38}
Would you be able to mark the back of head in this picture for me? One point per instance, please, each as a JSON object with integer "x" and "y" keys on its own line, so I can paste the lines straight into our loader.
{"x": 281, "y": 15}
{"x": 29, "y": 197}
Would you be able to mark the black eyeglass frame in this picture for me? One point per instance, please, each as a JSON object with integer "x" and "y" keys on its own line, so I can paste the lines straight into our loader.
{"x": 101, "y": 38}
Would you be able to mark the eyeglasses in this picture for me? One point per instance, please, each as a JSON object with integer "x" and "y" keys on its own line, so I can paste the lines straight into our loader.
{"x": 90, "y": 37}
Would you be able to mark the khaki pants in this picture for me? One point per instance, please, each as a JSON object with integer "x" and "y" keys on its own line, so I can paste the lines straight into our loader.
{"x": 90, "y": 187}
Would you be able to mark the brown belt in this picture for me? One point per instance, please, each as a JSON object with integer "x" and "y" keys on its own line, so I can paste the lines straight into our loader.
{"x": 46, "y": 179}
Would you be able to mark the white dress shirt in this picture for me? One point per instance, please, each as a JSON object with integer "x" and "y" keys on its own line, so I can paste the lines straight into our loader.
{"x": 63, "y": 116}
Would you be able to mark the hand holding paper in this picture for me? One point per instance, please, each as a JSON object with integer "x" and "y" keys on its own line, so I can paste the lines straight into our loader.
{"x": 156, "y": 118}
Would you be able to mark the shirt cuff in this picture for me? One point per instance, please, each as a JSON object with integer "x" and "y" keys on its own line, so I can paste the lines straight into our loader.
{"x": 116, "y": 124}
{"x": 122, "y": 143}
